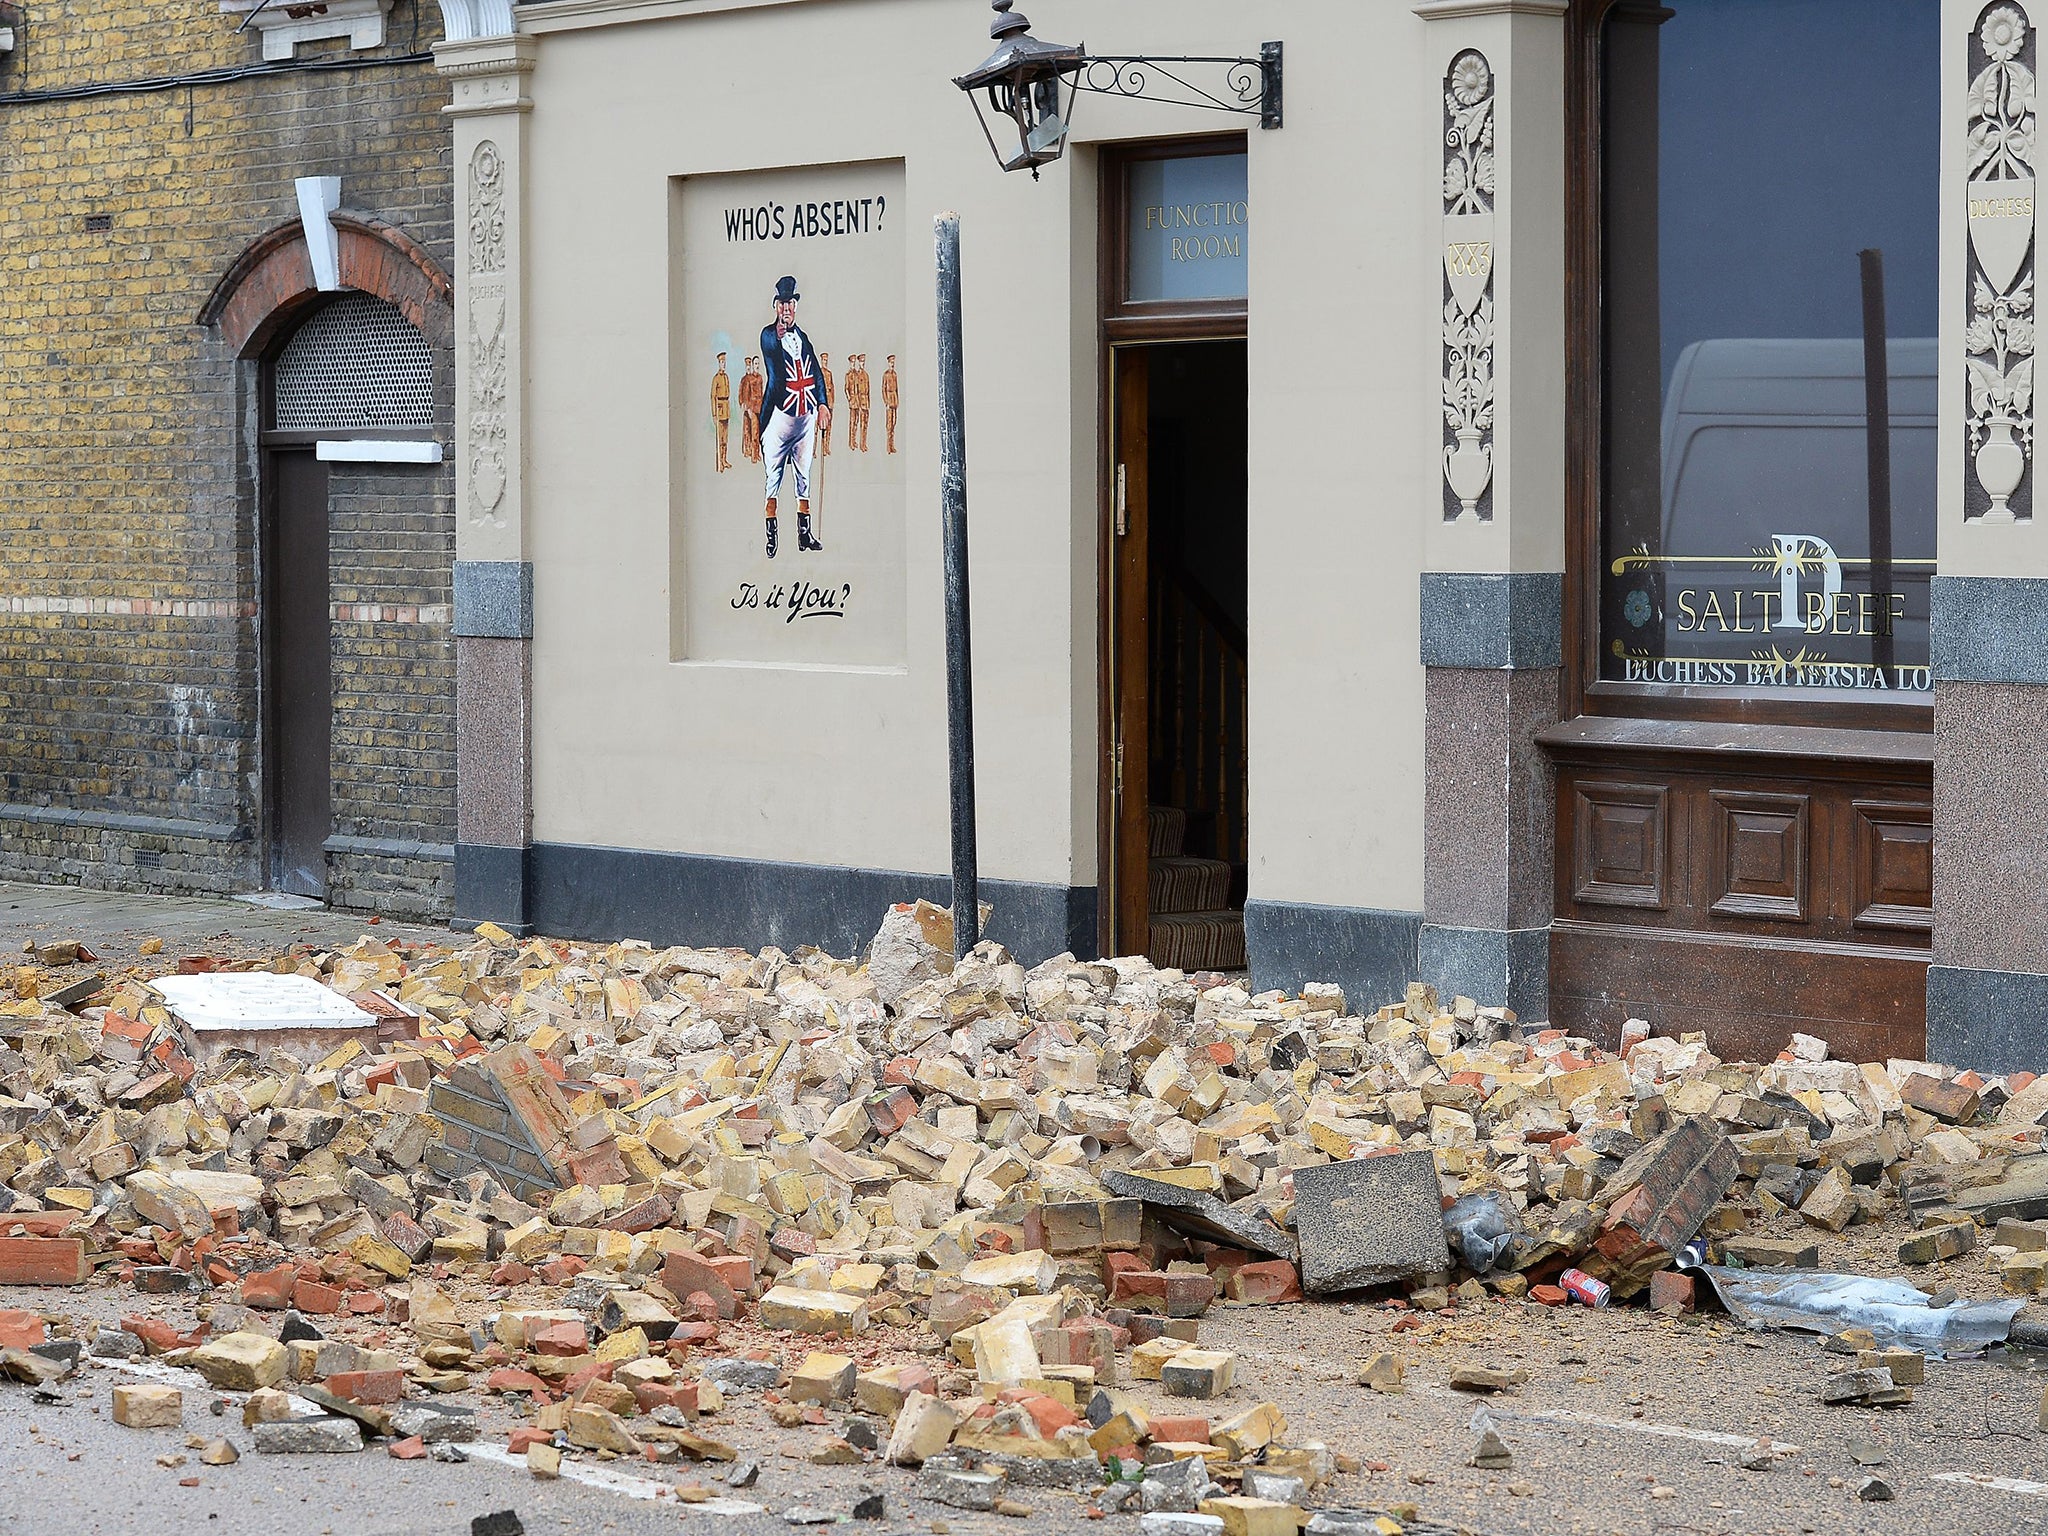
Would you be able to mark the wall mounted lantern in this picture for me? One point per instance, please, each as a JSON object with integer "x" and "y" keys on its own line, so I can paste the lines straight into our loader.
{"x": 1023, "y": 79}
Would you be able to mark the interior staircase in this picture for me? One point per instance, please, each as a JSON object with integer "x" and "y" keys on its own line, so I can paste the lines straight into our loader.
{"x": 1197, "y": 733}
{"x": 1194, "y": 927}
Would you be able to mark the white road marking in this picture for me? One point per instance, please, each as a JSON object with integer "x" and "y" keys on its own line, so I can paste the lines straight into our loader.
{"x": 1637, "y": 1427}
{"x": 616, "y": 1482}
{"x": 2002, "y": 1484}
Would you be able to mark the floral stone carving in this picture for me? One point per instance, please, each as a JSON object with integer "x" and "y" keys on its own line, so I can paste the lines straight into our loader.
{"x": 1468, "y": 370}
{"x": 486, "y": 339}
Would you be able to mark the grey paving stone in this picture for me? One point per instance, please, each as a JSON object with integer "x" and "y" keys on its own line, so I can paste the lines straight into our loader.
{"x": 1369, "y": 1221}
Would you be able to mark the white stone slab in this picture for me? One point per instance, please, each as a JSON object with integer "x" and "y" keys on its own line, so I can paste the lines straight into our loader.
{"x": 259, "y": 1010}
{"x": 257, "y": 1000}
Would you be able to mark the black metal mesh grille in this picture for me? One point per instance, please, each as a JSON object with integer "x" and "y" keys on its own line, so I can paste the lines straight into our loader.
{"x": 358, "y": 363}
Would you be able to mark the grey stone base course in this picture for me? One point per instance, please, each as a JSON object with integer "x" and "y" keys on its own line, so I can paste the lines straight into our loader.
{"x": 1987, "y": 1021}
{"x": 1369, "y": 953}
{"x": 1488, "y": 621}
{"x": 494, "y": 598}
{"x": 1494, "y": 969}
{"x": 490, "y": 886}
{"x": 581, "y": 892}
{"x": 1988, "y": 629}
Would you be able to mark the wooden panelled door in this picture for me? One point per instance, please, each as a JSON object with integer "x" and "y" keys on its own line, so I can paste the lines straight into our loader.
{"x": 298, "y": 680}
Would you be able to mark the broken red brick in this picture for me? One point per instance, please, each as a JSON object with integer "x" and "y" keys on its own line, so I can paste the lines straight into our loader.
{"x": 889, "y": 1112}
{"x": 681, "y": 1395}
{"x": 527, "y": 1435}
{"x": 270, "y": 1289}
{"x": 1269, "y": 1280}
{"x": 508, "y": 1379}
{"x": 1187, "y": 1428}
{"x": 1669, "y": 1290}
{"x": 411, "y": 1448}
{"x": 1548, "y": 1295}
{"x": 20, "y": 1330}
{"x": 371, "y": 1388}
{"x": 43, "y": 1261}
{"x": 408, "y": 1236}
{"x": 560, "y": 1339}
{"x": 315, "y": 1297}
{"x": 1176, "y": 1294}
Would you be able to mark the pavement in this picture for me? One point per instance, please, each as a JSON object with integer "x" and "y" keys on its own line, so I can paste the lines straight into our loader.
{"x": 115, "y": 924}
{"x": 1630, "y": 1424}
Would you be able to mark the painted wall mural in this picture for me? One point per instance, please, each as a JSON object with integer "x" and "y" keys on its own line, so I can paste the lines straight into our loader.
{"x": 1999, "y": 339}
{"x": 787, "y": 393}
{"x": 1468, "y": 130}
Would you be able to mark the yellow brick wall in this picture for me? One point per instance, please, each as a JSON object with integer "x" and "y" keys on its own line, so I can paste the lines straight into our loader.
{"x": 127, "y": 461}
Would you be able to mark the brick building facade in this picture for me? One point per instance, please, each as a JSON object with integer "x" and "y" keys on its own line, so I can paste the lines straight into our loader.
{"x": 154, "y": 259}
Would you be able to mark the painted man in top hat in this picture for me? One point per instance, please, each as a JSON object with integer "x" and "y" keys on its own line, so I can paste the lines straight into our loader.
{"x": 793, "y": 407}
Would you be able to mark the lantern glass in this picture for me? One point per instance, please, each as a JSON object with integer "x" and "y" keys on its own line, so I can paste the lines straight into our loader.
{"x": 1022, "y": 82}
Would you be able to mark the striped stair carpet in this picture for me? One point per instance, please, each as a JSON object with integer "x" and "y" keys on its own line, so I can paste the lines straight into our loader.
{"x": 1193, "y": 927}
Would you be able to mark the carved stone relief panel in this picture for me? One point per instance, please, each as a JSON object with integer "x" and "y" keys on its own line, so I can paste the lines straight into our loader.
{"x": 1468, "y": 366}
{"x": 1999, "y": 338}
{"x": 485, "y": 333}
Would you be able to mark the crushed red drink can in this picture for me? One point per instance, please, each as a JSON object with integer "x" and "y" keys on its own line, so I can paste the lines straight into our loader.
{"x": 1581, "y": 1286}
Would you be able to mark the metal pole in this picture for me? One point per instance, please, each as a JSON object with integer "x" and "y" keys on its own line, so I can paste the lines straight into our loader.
{"x": 1877, "y": 437}
{"x": 959, "y": 668}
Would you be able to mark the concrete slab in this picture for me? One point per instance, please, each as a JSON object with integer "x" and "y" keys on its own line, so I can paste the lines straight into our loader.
{"x": 1201, "y": 1215}
{"x": 1369, "y": 1221}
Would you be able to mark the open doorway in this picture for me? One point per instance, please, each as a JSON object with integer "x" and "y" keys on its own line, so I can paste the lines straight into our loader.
{"x": 1177, "y": 763}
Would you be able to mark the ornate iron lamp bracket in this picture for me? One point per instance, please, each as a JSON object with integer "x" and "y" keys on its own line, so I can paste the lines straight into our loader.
{"x": 1249, "y": 87}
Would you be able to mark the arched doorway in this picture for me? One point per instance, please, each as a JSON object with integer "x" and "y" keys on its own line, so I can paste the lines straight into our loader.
{"x": 349, "y": 397}
{"x": 355, "y": 371}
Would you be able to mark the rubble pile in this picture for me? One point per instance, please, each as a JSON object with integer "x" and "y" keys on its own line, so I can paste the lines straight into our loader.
{"x": 986, "y": 1198}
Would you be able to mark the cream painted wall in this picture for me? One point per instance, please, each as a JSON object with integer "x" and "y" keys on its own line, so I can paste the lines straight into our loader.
{"x": 848, "y": 767}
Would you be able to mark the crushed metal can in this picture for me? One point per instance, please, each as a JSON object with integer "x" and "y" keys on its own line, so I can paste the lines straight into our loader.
{"x": 1583, "y": 1288}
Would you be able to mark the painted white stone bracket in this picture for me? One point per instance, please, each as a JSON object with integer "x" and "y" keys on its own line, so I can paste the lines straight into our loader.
{"x": 319, "y": 196}
{"x": 1998, "y": 337}
{"x": 284, "y": 25}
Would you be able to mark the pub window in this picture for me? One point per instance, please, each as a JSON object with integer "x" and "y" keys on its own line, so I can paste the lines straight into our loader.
{"x": 1769, "y": 228}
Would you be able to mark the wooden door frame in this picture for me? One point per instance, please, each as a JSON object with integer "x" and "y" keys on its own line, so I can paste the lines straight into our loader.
{"x": 1123, "y": 323}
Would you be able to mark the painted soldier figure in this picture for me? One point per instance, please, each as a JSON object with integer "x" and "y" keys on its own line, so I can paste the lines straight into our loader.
{"x": 825, "y": 422}
{"x": 857, "y": 402}
{"x": 890, "y": 400}
{"x": 721, "y": 411}
{"x": 793, "y": 409}
{"x": 750, "y": 411}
